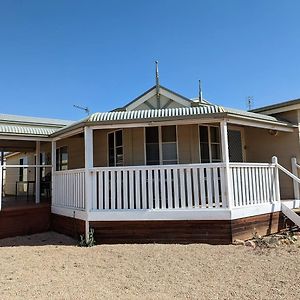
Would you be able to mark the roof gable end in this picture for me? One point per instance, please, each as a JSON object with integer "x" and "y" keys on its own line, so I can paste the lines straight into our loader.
{"x": 148, "y": 100}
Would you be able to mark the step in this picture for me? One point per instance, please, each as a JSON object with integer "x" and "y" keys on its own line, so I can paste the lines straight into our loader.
{"x": 291, "y": 214}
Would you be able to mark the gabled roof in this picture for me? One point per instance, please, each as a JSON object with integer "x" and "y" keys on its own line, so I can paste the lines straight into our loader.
{"x": 29, "y": 126}
{"x": 163, "y": 91}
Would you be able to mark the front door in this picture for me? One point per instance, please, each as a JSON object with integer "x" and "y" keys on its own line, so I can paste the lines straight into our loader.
{"x": 235, "y": 145}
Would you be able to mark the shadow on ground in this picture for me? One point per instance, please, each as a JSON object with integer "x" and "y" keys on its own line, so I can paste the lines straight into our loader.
{"x": 40, "y": 239}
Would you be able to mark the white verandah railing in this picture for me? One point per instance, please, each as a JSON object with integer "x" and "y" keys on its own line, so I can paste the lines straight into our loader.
{"x": 69, "y": 189}
{"x": 172, "y": 187}
{"x": 159, "y": 187}
{"x": 253, "y": 183}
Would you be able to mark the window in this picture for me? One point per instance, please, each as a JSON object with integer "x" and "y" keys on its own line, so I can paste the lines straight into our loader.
{"x": 23, "y": 171}
{"x": 209, "y": 144}
{"x": 161, "y": 145}
{"x": 115, "y": 148}
{"x": 62, "y": 158}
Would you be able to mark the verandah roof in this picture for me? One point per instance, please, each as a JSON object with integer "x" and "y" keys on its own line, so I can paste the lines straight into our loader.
{"x": 156, "y": 115}
{"x": 29, "y": 126}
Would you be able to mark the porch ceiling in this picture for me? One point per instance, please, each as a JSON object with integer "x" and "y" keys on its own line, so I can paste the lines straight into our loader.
{"x": 17, "y": 146}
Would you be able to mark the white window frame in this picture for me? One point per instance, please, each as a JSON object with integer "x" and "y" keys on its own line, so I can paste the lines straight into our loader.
{"x": 115, "y": 148}
{"x": 210, "y": 143}
{"x": 160, "y": 143}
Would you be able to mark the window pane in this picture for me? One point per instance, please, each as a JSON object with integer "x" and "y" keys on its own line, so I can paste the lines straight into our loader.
{"x": 204, "y": 152}
{"x": 170, "y": 162}
{"x": 215, "y": 152}
{"x": 119, "y": 138}
{"x": 214, "y": 135}
{"x": 203, "y": 130}
{"x": 111, "y": 157}
{"x": 152, "y": 135}
{"x": 168, "y": 134}
{"x": 169, "y": 151}
{"x": 152, "y": 153}
{"x": 111, "y": 142}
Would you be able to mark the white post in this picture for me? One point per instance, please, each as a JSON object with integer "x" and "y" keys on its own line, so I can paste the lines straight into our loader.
{"x": 276, "y": 178}
{"x": 225, "y": 158}
{"x": 37, "y": 173}
{"x": 295, "y": 183}
{"x": 89, "y": 163}
{"x": 1, "y": 177}
{"x": 53, "y": 163}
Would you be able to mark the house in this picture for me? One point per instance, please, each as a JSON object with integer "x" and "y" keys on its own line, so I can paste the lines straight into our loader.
{"x": 162, "y": 168}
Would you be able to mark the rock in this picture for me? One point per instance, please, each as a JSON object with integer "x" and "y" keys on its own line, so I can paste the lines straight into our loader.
{"x": 250, "y": 244}
{"x": 239, "y": 242}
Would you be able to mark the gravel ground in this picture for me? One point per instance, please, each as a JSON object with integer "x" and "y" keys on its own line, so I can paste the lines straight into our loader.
{"x": 49, "y": 266}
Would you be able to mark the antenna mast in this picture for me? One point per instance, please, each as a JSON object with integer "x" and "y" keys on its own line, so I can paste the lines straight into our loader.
{"x": 200, "y": 93}
{"x": 86, "y": 109}
{"x": 249, "y": 102}
{"x": 157, "y": 84}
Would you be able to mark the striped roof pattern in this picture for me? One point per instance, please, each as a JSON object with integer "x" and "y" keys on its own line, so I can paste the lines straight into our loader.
{"x": 27, "y": 130}
{"x": 30, "y": 126}
{"x": 155, "y": 113}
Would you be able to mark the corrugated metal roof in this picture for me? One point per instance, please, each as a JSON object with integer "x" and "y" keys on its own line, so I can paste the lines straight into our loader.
{"x": 155, "y": 113}
{"x": 251, "y": 115}
{"x": 277, "y": 105}
{"x": 30, "y": 126}
{"x": 31, "y": 120}
{"x": 26, "y": 130}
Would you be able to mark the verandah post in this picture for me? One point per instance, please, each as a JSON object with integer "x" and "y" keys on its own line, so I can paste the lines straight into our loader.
{"x": 89, "y": 163}
{"x": 37, "y": 172}
{"x": 225, "y": 159}
{"x": 295, "y": 172}
{"x": 53, "y": 169}
{"x": 1, "y": 184}
{"x": 276, "y": 178}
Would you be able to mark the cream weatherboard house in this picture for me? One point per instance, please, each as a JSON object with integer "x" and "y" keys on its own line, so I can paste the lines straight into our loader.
{"x": 162, "y": 168}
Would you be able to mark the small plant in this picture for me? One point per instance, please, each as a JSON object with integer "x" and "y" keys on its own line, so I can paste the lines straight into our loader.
{"x": 90, "y": 242}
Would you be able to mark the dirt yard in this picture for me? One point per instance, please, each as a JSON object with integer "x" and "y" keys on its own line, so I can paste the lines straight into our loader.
{"x": 49, "y": 266}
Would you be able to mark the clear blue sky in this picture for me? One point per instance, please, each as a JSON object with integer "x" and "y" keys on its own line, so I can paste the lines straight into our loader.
{"x": 57, "y": 53}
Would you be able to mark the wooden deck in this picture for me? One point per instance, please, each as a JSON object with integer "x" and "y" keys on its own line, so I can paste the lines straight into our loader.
{"x": 12, "y": 202}
{"x": 21, "y": 217}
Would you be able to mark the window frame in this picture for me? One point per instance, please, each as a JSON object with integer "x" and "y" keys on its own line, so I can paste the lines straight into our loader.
{"x": 160, "y": 145}
{"x": 210, "y": 143}
{"x": 59, "y": 164}
{"x": 115, "y": 147}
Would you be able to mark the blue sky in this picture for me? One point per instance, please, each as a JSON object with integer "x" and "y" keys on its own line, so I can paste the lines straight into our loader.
{"x": 101, "y": 54}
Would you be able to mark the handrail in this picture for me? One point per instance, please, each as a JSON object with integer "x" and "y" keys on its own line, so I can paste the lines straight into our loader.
{"x": 69, "y": 171}
{"x": 25, "y": 166}
{"x": 287, "y": 172}
{"x": 153, "y": 167}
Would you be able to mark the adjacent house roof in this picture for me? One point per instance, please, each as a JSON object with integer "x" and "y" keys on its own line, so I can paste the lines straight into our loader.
{"x": 279, "y": 107}
{"x": 29, "y": 126}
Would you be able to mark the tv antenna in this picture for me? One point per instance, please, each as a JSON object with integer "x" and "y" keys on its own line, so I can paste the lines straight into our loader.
{"x": 86, "y": 109}
{"x": 249, "y": 102}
